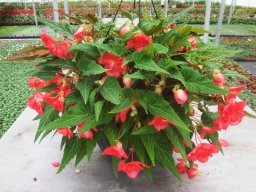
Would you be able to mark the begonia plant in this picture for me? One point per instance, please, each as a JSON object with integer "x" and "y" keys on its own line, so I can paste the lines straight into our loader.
{"x": 149, "y": 94}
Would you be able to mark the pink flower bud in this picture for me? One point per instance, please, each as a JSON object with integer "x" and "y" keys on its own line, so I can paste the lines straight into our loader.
{"x": 127, "y": 82}
{"x": 180, "y": 96}
{"x": 125, "y": 29}
{"x": 219, "y": 79}
{"x": 87, "y": 134}
{"x": 79, "y": 34}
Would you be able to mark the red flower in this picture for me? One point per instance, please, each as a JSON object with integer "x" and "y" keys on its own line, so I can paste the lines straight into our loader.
{"x": 121, "y": 116}
{"x": 37, "y": 83}
{"x": 219, "y": 78}
{"x": 173, "y": 25}
{"x": 234, "y": 92}
{"x": 116, "y": 151}
{"x": 139, "y": 42}
{"x": 193, "y": 42}
{"x": 55, "y": 102}
{"x": 159, "y": 123}
{"x": 125, "y": 29}
{"x": 37, "y": 103}
{"x": 180, "y": 96}
{"x": 209, "y": 130}
{"x": 87, "y": 134}
{"x": 181, "y": 166}
{"x": 79, "y": 34}
{"x": 193, "y": 171}
{"x": 60, "y": 50}
{"x": 66, "y": 132}
{"x": 202, "y": 152}
{"x": 132, "y": 169}
{"x": 113, "y": 64}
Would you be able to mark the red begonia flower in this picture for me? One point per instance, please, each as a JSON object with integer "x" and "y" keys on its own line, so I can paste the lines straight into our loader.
{"x": 139, "y": 42}
{"x": 234, "y": 92}
{"x": 113, "y": 64}
{"x": 37, "y": 103}
{"x": 132, "y": 169}
{"x": 193, "y": 41}
{"x": 55, "y": 102}
{"x": 159, "y": 123}
{"x": 202, "y": 152}
{"x": 66, "y": 132}
{"x": 209, "y": 130}
{"x": 87, "y": 134}
{"x": 180, "y": 96}
{"x": 79, "y": 34}
{"x": 181, "y": 166}
{"x": 116, "y": 151}
{"x": 173, "y": 25}
{"x": 193, "y": 171}
{"x": 121, "y": 116}
{"x": 37, "y": 83}
{"x": 219, "y": 79}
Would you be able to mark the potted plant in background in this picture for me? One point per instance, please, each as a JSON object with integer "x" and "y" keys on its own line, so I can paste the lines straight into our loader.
{"x": 141, "y": 92}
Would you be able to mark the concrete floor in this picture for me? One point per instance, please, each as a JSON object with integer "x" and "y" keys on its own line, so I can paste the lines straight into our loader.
{"x": 22, "y": 162}
{"x": 249, "y": 66}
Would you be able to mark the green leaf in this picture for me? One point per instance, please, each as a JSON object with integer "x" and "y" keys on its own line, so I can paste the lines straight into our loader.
{"x": 111, "y": 90}
{"x": 71, "y": 149}
{"x": 50, "y": 114}
{"x": 45, "y": 72}
{"x": 176, "y": 140}
{"x": 198, "y": 83}
{"x": 208, "y": 118}
{"x": 149, "y": 143}
{"x": 87, "y": 49}
{"x": 72, "y": 117}
{"x": 122, "y": 11}
{"x": 124, "y": 105}
{"x": 144, "y": 62}
{"x": 111, "y": 133}
{"x": 82, "y": 152}
{"x": 115, "y": 162}
{"x": 160, "y": 49}
{"x": 160, "y": 107}
{"x": 72, "y": 98}
{"x": 62, "y": 27}
{"x": 250, "y": 115}
{"x": 146, "y": 130}
{"x": 126, "y": 127}
{"x": 172, "y": 19}
{"x": 150, "y": 27}
{"x": 85, "y": 86}
{"x": 90, "y": 124}
{"x": 98, "y": 107}
{"x": 141, "y": 75}
{"x": 163, "y": 155}
{"x": 91, "y": 144}
{"x": 89, "y": 67}
{"x": 215, "y": 139}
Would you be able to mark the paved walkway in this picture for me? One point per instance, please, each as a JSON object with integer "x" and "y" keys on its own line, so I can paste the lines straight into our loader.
{"x": 26, "y": 167}
{"x": 249, "y": 66}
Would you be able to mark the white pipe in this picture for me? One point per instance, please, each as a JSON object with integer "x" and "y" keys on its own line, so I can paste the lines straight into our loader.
{"x": 99, "y": 8}
{"x": 66, "y": 10}
{"x": 34, "y": 11}
{"x": 166, "y": 8}
{"x": 55, "y": 10}
{"x": 207, "y": 19}
{"x": 220, "y": 19}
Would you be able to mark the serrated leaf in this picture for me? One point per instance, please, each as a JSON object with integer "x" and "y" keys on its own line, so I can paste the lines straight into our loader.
{"x": 115, "y": 162}
{"x": 126, "y": 127}
{"x": 111, "y": 133}
{"x": 208, "y": 118}
{"x": 144, "y": 62}
{"x": 89, "y": 67}
{"x": 111, "y": 90}
{"x": 85, "y": 86}
{"x": 124, "y": 105}
{"x": 62, "y": 27}
{"x": 198, "y": 83}
{"x": 72, "y": 117}
{"x": 50, "y": 114}
{"x": 122, "y": 11}
{"x": 146, "y": 130}
{"x": 71, "y": 149}
{"x": 160, "y": 107}
{"x": 172, "y": 19}
{"x": 82, "y": 152}
{"x": 214, "y": 137}
{"x": 149, "y": 143}
{"x": 141, "y": 75}
{"x": 160, "y": 49}
{"x": 97, "y": 108}
{"x": 163, "y": 155}
{"x": 87, "y": 49}
{"x": 176, "y": 140}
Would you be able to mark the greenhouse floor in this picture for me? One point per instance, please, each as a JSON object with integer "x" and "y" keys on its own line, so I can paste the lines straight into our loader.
{"x": 26, "y": 167}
